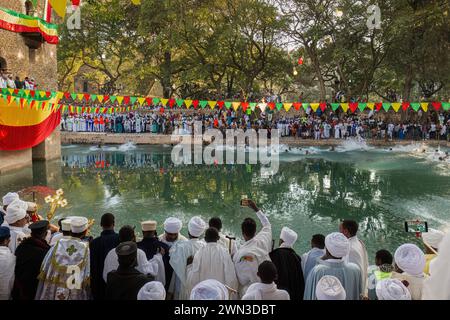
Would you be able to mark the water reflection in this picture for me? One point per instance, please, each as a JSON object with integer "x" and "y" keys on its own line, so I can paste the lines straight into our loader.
{"x": 310, "y": 194}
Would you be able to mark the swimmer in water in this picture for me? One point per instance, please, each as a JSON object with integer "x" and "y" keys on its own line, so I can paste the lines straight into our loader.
{"x": 307, "y": 152}
{"x": 332, "y": 148}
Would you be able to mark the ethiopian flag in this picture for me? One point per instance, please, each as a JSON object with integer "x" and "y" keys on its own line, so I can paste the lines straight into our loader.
{"x": 22, "y": 126}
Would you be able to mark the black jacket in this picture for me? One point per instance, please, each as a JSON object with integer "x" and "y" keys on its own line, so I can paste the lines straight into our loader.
{"x": 125, "y": 283}
{"x": 99, "y": 248}
{"x": 29, "y": 256}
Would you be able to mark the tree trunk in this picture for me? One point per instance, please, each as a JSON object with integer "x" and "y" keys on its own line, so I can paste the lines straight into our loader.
{"x": 166, "y": 75}
{"x": 318, "y": 72}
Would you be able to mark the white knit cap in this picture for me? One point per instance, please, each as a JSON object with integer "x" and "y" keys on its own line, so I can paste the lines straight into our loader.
{"x": 330, "y": 288}
{"x": 10, "y": 197}
{"x": 410, "y": 259}
{"x": 16, "y": 211}
{"x": 196, "y": 226}
{"x": 173, "y": 225}
{"x": 66, "y": 225}
{"x": 337, "y": 244}
{"x": 153, "y": 290}
{"x": 78, "y": 224}
{"x": 289, "y": 236}
{"x": 209, "y": 290}
{"x": 392, "y": 289}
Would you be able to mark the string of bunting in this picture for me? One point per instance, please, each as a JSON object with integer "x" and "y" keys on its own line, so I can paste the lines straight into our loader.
{"x": 116, "y": 104}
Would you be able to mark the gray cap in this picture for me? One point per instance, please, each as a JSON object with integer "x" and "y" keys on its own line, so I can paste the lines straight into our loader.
{"x": 126, "y": 248}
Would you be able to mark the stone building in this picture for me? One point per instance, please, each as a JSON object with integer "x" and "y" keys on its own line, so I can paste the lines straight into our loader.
{"x": 28, "y": 55}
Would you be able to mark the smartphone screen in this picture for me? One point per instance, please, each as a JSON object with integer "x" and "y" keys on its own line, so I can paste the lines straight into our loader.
{"x": 416, "y": 226}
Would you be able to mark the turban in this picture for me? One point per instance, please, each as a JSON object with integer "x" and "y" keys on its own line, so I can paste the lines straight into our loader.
{"x": 196, "y": 226}
{"x": 16, "y": 211}
{"x": 10, "y": 197}
{"x": 78, "y": 224}
{"x": 392, "y": 289}
{"x": 152, "y": 291}
{"x": 410, "y": 259}
{"x": 337, "y": 244}
{"x": 433, "y": 237}
{"x": 330, "y": 288}
{"x": 288, "y": 236}
{"x": 209, "y": 290}
{"x": 172, "y": 225}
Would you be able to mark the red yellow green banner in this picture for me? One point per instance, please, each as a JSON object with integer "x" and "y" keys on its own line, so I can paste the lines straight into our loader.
{"x": 17, "y": 22}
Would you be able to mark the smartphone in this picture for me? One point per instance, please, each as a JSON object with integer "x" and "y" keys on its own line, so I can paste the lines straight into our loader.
{"x": 416, "y": 226}
{"x": 244, "y": 201}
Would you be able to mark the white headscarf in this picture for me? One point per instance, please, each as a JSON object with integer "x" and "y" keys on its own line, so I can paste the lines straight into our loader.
{"x": 16, "y": 211}
{"x": 392, "y": 289}
{"x": 196, "y": 226}
{"x": 330, "y": 288}
{"x": 437, "y": 286}
{"x": 172, "y": 225}
{"x": 410, "y": 259}
{"x": 9, "y": 198}
{"x": 152, "y": 291}
{"x": 433, "y": 237}
{"x": 289, "y": 237}
{"x": 209, "y": 290}
{"x": 337, "y": 244}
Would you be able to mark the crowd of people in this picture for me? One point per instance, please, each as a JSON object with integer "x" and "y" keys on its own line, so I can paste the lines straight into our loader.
{"x": 40, "y": 261}
{"x": 8, "y": 81}
{"x": 310, "y": 125}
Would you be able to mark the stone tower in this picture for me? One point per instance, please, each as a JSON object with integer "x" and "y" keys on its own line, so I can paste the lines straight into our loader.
{"x": 28, "y": 55}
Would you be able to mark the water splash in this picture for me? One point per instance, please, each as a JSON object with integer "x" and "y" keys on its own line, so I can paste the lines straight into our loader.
{"x": 127, "y": 146}
{"x": 353, "y": 145}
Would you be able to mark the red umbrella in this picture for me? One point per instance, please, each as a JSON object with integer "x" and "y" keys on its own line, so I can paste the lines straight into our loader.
{"x": 37, "y": 192}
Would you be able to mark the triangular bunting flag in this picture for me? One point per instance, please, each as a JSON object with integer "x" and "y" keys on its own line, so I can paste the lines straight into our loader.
{"x": 378, "y": 106}
{"x": 227, "y": 104}
{"x": 446, "y": 106}
{"x": 73, "y": 96}
{"x": 386, "y": 106}
{"x": 100, "y": 97}
{"x": 126, "y": 100}
{"x": 353, "y": 106}
{"x": 156, "y": 101}
{"x": 279, "y": 105}
{"x": 262, "y": 106}
{"x": 141, "y": 101}
{"x": 244, "y": 106}
{"x": 220, "y": 104}
{"x": 195, "y": 103}
{"x": 252, "y": 106}
{"x": 133, "y": 100}
{"x": 236, "y": 105}
{"x": 212, "y": 104}
{"x": 436, "y": 105}
{"x": 42, "y": 94}
{"x": 180, "y": 102}
{"x": 119, "y": 99}
{"x": 171, "y": 103}
{"x": 164, "y": 102}
{"x": 287, "y": 106}
{"x": 203, "y": 103}
{"x": 424, "y": 106}
{"x": 371, "y": 105}
{"x": 335, "y": 106}
{"x": 415, "y": 106}
{"x": 297, "y": 105}
{"x": 188, "y": 103}
{"x": 344, "y": 106}
{"x": 405, "y": 106}
{"x": 362, "y": 106}
{"x": 80, "y": 96}
{"x": 315, "y": 106}
{"x": 323, "y": 106}
{"x": 86, "y": 96}
{"x": 112, "y": 99}
{"x": 93, "y": 97}
{"x": 396, "y": 106}
{"x": 271, "y": 105}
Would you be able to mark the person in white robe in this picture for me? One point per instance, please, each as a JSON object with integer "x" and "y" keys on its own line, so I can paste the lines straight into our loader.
{"x": 65, "y": 271}
{"x": 254, "y": 251}
{"x": 410, "y": 263}
{"x": 266, "y": 289}
{"x": 181, "y": 257}
{"x": 65, "y": 232}
{"x": 7, "y": 265}
{"x": 172, "y": 228}
{"x": 17, "y": 219}
{"x": 392, "y": 289}
{"x": 153, "y": 290}
{"x": 209, "y": 290}
{"x": 309, "y": 259}
{"x": 227, "y": 243}
{"x": 431, "y": 240}
{"x": 144, "y": 266}
{"x": 330, "y": 288}
{"x": 358, "y": 253}
{"x": 349, "y": 274}
{"x": 6, "y": 201}
{"x": 212, "y": 261}
{"x": 437, "y": 285}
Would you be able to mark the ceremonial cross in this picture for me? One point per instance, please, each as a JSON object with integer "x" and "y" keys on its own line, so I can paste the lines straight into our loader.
{"x": 71, "y": 250}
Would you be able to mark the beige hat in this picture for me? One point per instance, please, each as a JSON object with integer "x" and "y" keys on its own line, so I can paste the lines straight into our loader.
{"x": 148, "y": 225}
{"x": 31, "y": 206}
{"x": 78, "y": 224}
{"x": 66, "y": 225}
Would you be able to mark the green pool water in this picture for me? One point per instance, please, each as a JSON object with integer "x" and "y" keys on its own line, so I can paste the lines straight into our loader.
{"x": 311, "y": 193}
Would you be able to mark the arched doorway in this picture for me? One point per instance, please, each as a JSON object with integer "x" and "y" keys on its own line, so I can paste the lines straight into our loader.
{"x": 3, "y": 64}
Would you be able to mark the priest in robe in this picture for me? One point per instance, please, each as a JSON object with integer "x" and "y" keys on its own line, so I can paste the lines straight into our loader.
{"x": 30, "y": 254}
{"x": 309, "y": 259}
{"x": 17, "y": 220}
{"x": 181, "y": 257}
{"x": 126, "y": 234}
{"x": 288, "y": 263}
{"x": 152, "y": 246}
{"x": 266, "y": 289}
{"x": 254, "y": 251}
{"x": 358, "y": 252}
{"x": 99, "y": 249}
{"x": 171, "y": 235}
{"x": 227, "y": 243}
{"x": 409, "y": 265}
{"x": 7, "y": 265}
{"x": 337, "y": 247}
{"x": 65, "y": 271}
{"x": 212, "y": 261}
{"x": 6, "y": 201}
